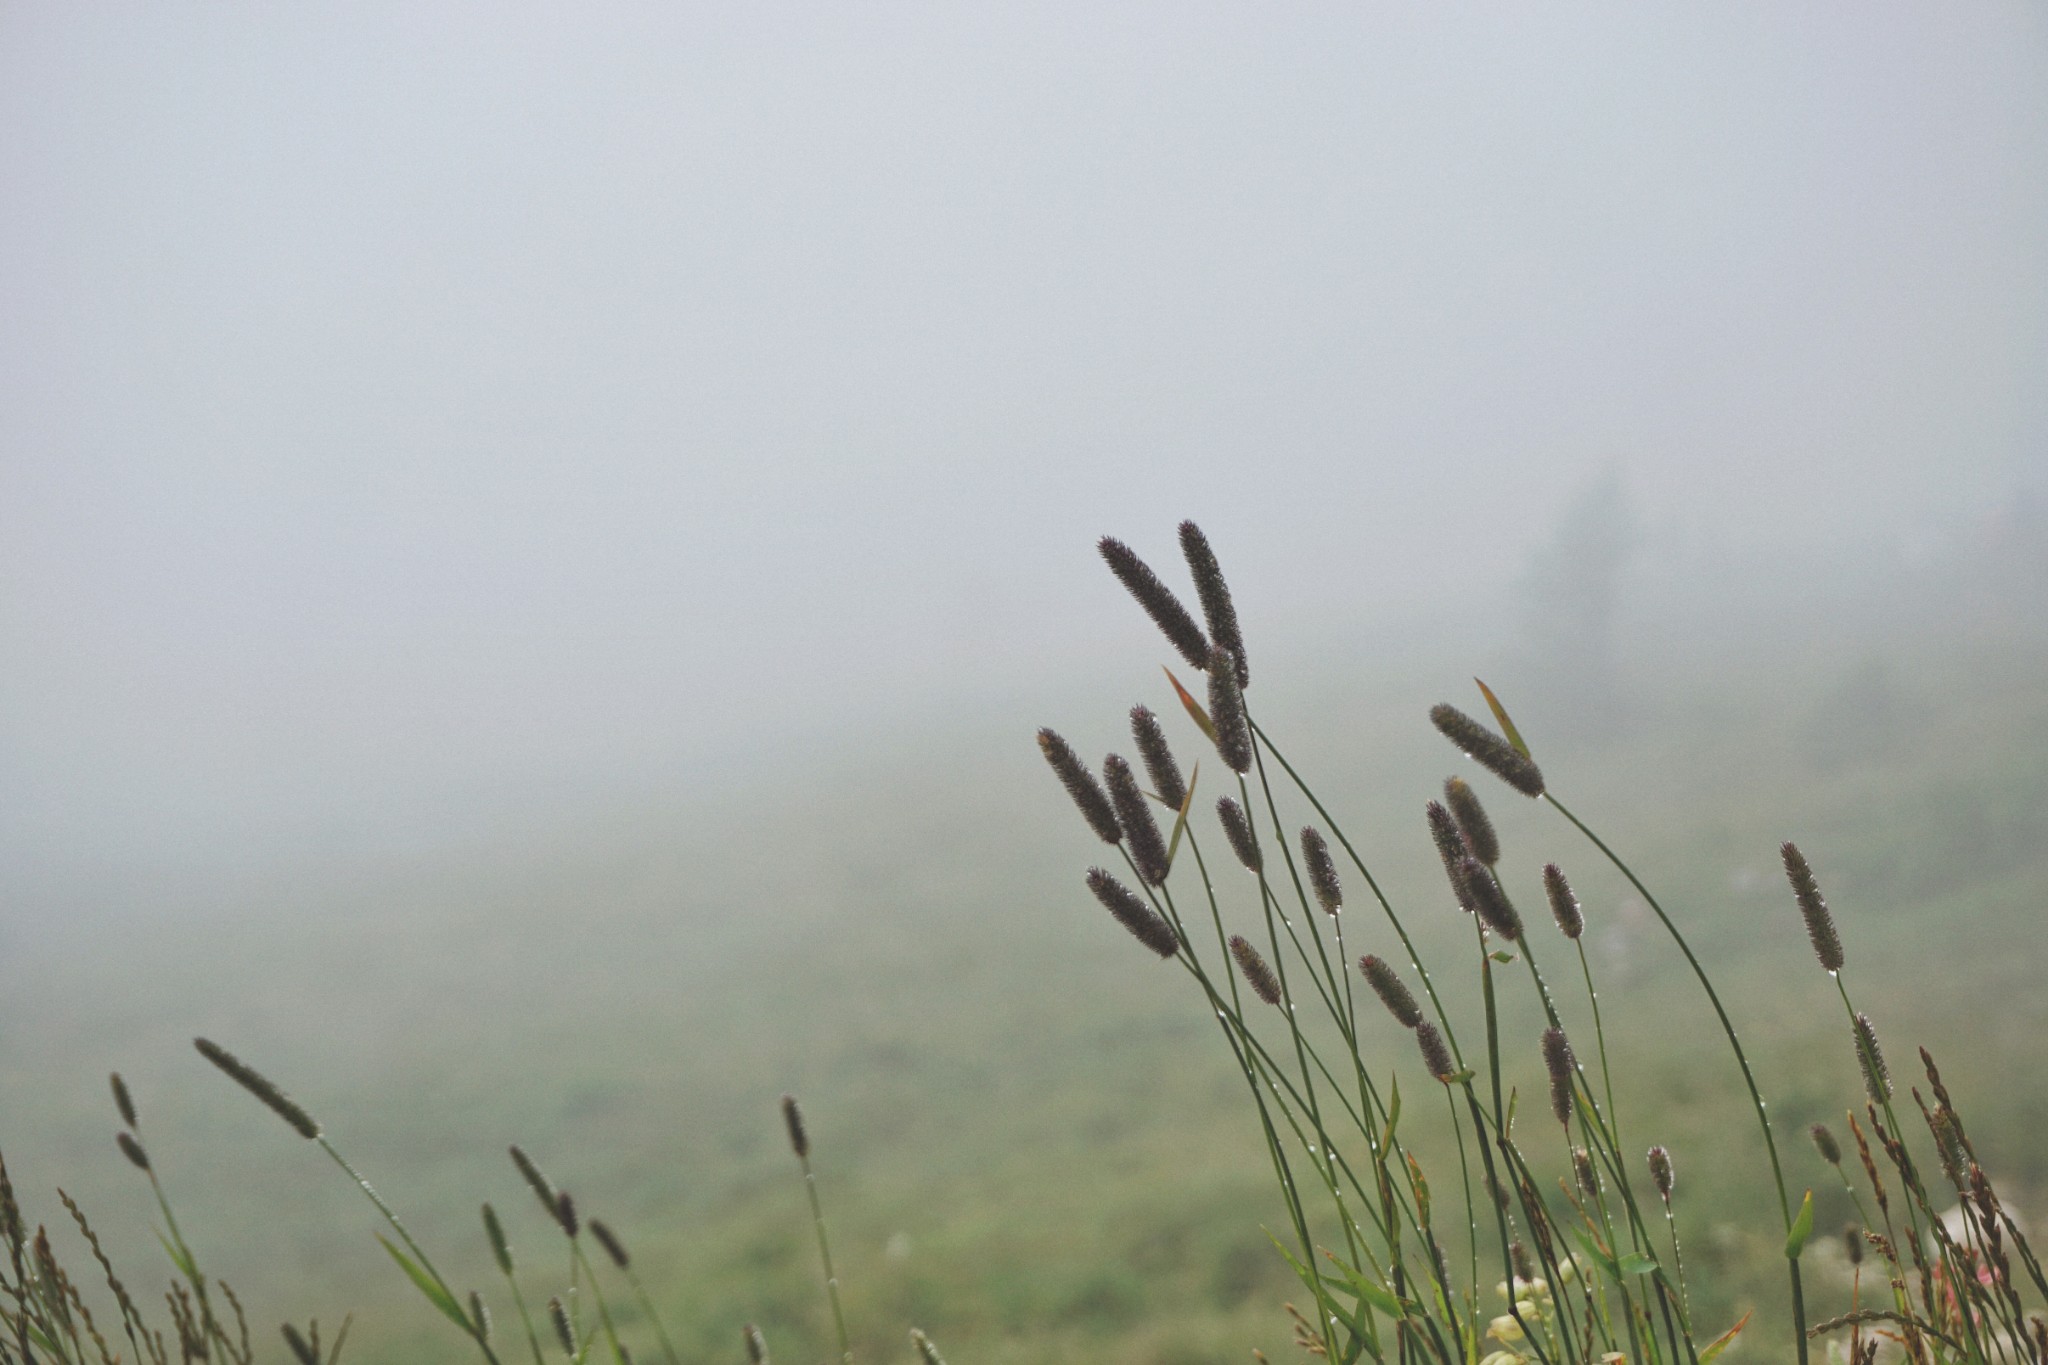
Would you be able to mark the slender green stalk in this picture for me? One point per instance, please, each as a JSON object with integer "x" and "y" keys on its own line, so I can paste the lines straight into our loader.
{"x": 825, "y": 1257}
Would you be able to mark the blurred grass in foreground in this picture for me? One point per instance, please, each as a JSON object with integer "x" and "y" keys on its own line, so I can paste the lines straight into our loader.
{"x": 1030, "y": 1143}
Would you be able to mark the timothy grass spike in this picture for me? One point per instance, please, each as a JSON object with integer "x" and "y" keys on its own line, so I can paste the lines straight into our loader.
{"x": 1435, "y": 1054}
{"x": 1157, "y": 756}
{"x": 123, "y": 1101}
{"x": 1473, "y": 822}
{"x": 1144, "y": 923}
{"x": 1661, "y": 1173}
{"x": 1158, "y": 601}
{"x": 252, "y": 1081}
{"x": 757, "y": 1345}
{"x": 1081, "y": 785}
{"x": 1563, "y": 1068}
{"x": 1564, "y": 902}
{"x": 1257, "y": 974}
{"x": 793, "y": 1123}
{"x": 1217, "y": 608}
{"x": 1487, "y": 749}
{"x": 1490, "y": 901}
{"x": 1450, "y": 846}
{"x": 1237, "y": 828}
{"x": 1820, "y": 925}
{"x": 1877, "y": 1077}
{"x": 1392, "y": 991}
{"x": 609, "y": 1240}
{"x": 1824, "y": 1143}
{"x": 927, "y": 1353}
{"x": 1141, "y": 832}
{"x": 132, "y": 1149}
{"x": 1322, "y": 870}
{"x": 1226, "y": 713}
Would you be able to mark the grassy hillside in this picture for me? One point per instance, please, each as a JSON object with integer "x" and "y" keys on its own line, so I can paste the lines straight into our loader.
{"x": 1028, "y": 1136}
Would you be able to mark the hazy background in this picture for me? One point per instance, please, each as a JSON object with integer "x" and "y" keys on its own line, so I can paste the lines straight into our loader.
{"x": 475, "y": 478}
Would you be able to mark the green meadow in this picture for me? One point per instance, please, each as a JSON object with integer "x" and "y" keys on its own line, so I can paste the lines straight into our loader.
{"x": 1028, "y": 1137}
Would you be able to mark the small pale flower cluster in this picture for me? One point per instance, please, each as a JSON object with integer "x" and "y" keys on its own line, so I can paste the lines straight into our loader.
{"x": 1534, "y": 1304}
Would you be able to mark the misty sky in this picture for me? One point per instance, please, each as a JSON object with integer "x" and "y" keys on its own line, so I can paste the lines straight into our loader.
{"x": 404, "y": 406}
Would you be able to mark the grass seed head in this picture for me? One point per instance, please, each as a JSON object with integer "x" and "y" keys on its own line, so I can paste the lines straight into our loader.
{"x": 1588, "y": 1177}
{"x": 1564, "y": 903}
{"x": 1450, "y": 846}
{"x": 1436, "y": 1055}
{"x": 302, "y": 1350}
{"x": 542, "y": 1187}
{"x": 1237, "y": 828}
{"x": 501, "y": 1250}
{"x": 1488, "y": 749}
{"x": 1518, "y": 1257}
{"x": 1490, "y": 901}
{"x": 757, "y": 1345}
{"x": 1392, "y": 991}
{"x": 1820, "y": 925}
{"x": 1214, "y": 593}
{"x": 123, "y": 1101}
{"x": 479, "y": 1316}
{"x": 1141, "y": 832}
{"x": 132, "y": 1149}
{"x": 927, "y": 1353}
{"x": 564, "y": 1333}
{"x": 1473, "y": 823}
{"x": 1157, "y": 757}
{"x": 1877, "y": 1077}
{"x": 1226, "y": 713}
{"x": 1824, "y": 1143}
{"x": 1661, "y": 1174}
{"x": 1158, "y": 601}
{"x": 1563, "y": 1068}
{"x": 793, "y": 1120}
{"x": 609, "y": 1240}
{"x": 1257, "y": 974}
{"x": 565, "y": 1214}
{"x": 1081, "y": 785}
{"x": 1852, "y": 1243}
{"x": 253, "y": 1082}
{"x": 1322, "y": 870}
{"x": 1131, "y": 911}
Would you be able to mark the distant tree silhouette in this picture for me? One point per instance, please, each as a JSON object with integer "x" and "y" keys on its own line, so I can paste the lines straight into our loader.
{"x": 1572, "y": 603}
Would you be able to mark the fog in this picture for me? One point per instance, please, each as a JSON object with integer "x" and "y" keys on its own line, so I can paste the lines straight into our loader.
{"x": 416, "y": 420}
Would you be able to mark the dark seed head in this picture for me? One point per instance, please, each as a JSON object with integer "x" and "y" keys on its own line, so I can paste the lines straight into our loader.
{"x": 1518, "y": 1257}
{"x": 1226, "y": 713}
{"x": 1852, "y": 1242}
{"x": 1490, "y": 901}
{"x": 1217, "y": 607}
{"x": 132, "y": 1149}
{"x": 1450, "y": 846}
{"x": 1141, "y": 832}
{"x": 1480, "y": 840}
{"x": 1435, "y": 1054}
{"x": 793, "y": 1120}
{"x": 1582, "y": 1167}
{"x": 1237, "y": 828}
{"x": 1081, "y": 785}
{"x": 1131, "y": 911}
{"x": 757, "y": 1345}
{"x": 246, "y": 1077}
{"x": 1322, "y": 872}
{"x": 1824, "y": 1143}
{"x": 1157, "y": 757}
{"x": 1563, "y": 1069}
{"x": 123, "y": 1101}
{"x": 1488, "y": 749}
{"x": 1877, "y": 1077}
{"x": 565, "y": 1214}
{"x": 1158, "y": 601}
{"x": 609, "y": 1240}
{"x": 564, "y": 1333}
{"x": 1820, "y": 925}
{"x": 501, "y": 1250}
{"x": 542, "y": 1187}
{"x": 1257, "y": 974}
{"x": 1564, "y": 905}
{"x": 1391, "y": 990}
{"x": 1661, "y": 1174}
{"x": 480, "y": 1316}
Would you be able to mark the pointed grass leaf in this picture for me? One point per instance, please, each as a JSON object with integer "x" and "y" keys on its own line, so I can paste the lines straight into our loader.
{"x": 1635, "y": 1263}
{"x": 1595, "y": 1253}
{"x": 1802, "y": 1228}
{"x": 334, "y": 1352}
{"x": 1367, "y": 1291}
{"x": 1194, "y": 708}
{"x": 1502, "y": 956}
{"x": 1180, "y": 821}
{"x": 436, "y": 1295}
{"x": 1724, "y": 1341}
{"x": 1393, "y": 1120}
{"x": 1507, "y": 727}
{"x": 179, "y": 1258}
